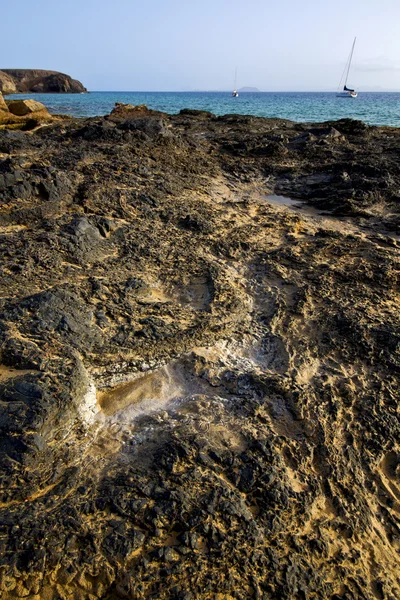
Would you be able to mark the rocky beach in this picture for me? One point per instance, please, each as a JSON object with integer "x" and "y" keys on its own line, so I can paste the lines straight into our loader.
{"x": 199, "y": 358}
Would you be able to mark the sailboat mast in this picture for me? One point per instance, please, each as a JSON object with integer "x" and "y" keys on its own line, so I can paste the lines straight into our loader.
{"x": 234, "y": 87}
{"x": 350, "y": 59}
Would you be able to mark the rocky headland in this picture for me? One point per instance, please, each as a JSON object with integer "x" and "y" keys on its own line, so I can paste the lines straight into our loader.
{"x": 26, "y": 81}
{"x": 199, "y": 380}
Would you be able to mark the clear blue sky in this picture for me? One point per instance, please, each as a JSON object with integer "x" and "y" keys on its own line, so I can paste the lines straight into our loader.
{"x": 182, "y": 45}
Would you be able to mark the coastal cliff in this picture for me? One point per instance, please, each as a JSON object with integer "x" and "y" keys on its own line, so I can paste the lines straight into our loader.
{"x": 14, "y": 81}
{"x": 199, "y": 380}
{"x": 7, "y": 84}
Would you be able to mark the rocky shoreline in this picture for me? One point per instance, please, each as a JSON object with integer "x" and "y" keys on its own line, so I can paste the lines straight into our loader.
{"x": 25, "y": 115}
{"x": 199, "y": 386}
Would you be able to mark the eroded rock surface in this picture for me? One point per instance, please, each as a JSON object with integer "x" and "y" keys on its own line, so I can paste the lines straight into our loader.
{"x": 25, "y": 115}
{"x": 199, "y": 386}
{"x": 7, "y": 84}
{"x": 24, "y": 107}
{"x": 3, "y": 105}
{"x": 38, "y": 80}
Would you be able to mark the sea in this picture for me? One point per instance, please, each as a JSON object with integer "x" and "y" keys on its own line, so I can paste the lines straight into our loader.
{"x": 374, "y": 108}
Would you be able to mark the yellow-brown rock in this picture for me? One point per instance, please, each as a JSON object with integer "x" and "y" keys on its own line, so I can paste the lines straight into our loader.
{"x": 25, "y": 107}
{"x": 24, "y": 114}
{"x": 3, "y": 105}
{"x": 7, "y": 84}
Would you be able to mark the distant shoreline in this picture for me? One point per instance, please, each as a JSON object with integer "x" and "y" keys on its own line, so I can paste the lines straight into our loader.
{"x": 373, "y": 108}
{"x": 361, "y": 91}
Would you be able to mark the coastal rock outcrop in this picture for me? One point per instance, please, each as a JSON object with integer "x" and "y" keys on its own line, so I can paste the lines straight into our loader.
{"x": 37, "y": 80}
{"x": 7, "y": 84}
{"x": 3, "y": 105}
{"x": 198, "y": 377}
{"x": 24, "y": 107}
{"x": 24, "y": 114}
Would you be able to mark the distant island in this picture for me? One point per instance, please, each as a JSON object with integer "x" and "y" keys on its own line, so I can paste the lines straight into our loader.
{"x": 14, "y": 81}
{"x": 249, "y": 89}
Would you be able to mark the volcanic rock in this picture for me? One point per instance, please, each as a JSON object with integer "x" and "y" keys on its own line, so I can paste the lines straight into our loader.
{"x": 199, "y": 378}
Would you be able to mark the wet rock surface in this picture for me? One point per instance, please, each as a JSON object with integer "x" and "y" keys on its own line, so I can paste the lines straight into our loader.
{"x": 198, "y": 387}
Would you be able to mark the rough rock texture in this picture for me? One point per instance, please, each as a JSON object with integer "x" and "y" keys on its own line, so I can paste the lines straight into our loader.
{"x": 26, "y": 115}
{"x": 7, "y": 84}
{"x": 24, "y": 107}
{"x": 3, "y": 105}
{"x": 199, "y": 386}
{"x": 38, "y": 80}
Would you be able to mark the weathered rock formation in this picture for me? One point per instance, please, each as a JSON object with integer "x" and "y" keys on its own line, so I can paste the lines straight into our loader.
{"x": 37, "y": 80}
{"x": 24, "y": 107}
{"x": 24, "y": 114}
{"x": 7, "y": 84}
{"x": 3, "y": 105}
{"x": 199, "y": 386}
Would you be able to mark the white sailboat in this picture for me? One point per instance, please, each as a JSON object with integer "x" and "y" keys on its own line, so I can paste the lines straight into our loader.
{"x": 235, "y": 94}
{"x": 347, "y": 92}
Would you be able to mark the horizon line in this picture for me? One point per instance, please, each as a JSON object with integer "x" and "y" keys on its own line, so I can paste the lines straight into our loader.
{"x": 384, "y": 91}
{"x": 243, "y": 92}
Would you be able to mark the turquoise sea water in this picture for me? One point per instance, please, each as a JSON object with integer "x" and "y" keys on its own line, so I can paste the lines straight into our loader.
{"x": 373, "y": 108}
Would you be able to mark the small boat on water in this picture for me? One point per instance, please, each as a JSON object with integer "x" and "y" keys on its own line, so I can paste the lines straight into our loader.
{"x": 235, "y": 93}
{"x": 347, "y": 92}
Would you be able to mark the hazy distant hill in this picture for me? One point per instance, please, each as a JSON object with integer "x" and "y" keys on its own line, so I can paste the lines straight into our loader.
{"x": 248, "y": 89}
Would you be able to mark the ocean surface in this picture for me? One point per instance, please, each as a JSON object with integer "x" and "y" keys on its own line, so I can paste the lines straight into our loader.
{"x": 374, "y": 108}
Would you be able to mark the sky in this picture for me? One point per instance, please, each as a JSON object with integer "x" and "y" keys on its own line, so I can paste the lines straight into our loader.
{"x": 188, "y": 45}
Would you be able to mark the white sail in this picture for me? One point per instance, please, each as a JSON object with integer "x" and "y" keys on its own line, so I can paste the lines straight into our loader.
{"x": 347, "y": 92}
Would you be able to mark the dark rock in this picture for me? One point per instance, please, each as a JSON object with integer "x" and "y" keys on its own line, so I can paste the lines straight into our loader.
{"x": 198, "y": 389}
{"x": 37, "y": 80}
